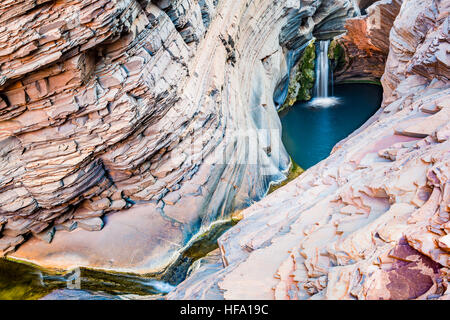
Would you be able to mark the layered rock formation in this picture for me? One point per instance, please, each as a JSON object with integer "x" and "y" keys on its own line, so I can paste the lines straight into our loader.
{"x": 366, "y": 42}
{"x": 372, "y": 220}
{"x": 163, "y": 106}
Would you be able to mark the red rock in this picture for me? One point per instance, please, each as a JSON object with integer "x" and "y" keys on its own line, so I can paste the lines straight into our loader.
{"x": 320, "y": 247}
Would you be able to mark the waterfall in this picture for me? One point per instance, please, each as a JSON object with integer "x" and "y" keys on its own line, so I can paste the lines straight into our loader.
{"x": 322, "y": 70}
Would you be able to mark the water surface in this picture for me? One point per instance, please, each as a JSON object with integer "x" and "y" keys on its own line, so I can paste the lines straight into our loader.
{"x": 310, "y": 133}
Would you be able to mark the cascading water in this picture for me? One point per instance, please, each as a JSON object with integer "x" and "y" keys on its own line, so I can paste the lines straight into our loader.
{"x": 322, "y": 71}
{"x": 312, "y": 128}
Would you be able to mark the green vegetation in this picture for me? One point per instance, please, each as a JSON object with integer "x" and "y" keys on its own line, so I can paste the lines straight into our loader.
{"x": 23, "y": 282}
{"x": 206, "y": 242}
{"x": 302, "y": 82}
{"x": 294, "y": 171}
{"x": 336, "y": 54}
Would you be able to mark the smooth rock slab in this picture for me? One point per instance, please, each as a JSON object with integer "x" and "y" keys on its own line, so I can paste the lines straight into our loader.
{"x": 138, "y": 240}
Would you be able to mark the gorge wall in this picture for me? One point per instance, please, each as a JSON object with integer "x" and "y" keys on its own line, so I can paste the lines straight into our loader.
{"x": 124, "y": 124}
{"x": 129, "y": 127}
{"x": 366, "y": 42}
{"x": 372, "y": 220}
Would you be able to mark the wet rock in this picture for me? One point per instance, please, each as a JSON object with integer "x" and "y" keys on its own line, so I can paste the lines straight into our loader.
{"x": 107, "y": 105}
{"x": 370, "y": 221}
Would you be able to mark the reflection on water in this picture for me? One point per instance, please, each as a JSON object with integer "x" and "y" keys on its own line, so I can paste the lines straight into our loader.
{"x": 22, "y": 281}
{"x": 310, "y": 130}
{"x": 19, "y": 281}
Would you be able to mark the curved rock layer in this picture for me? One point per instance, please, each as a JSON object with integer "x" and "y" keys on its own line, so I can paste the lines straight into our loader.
{"x": 163, "y": 106}
{"x": 366, "y": 42}
{"x": 372, "y": 220}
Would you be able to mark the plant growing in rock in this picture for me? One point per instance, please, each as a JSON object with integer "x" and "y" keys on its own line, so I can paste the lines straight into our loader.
{"x": 336, "y": 54}
{"x": 304, "y": 76}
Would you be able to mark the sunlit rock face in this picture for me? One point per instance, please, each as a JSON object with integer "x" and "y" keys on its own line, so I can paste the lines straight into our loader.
{"x": 141, "y": 109}
{"x": 372, "y": 220}
{"x": 366, "y": 42}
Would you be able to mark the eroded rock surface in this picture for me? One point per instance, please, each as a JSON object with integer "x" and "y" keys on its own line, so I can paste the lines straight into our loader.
{"x": 372, "y": 220}
{"x": 112, "y": 104}
{"x": 366, "y": 42}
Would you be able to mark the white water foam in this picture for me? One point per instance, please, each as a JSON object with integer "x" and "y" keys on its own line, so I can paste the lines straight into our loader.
{"x": 324, "y": 102}
{"x": 161, "y": 286}
{"x": 322, "y": 70}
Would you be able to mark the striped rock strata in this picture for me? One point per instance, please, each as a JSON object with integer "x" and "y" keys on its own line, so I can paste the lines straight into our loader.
{"x": 372, "y": 220}
{"x": 112, "y": 104}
